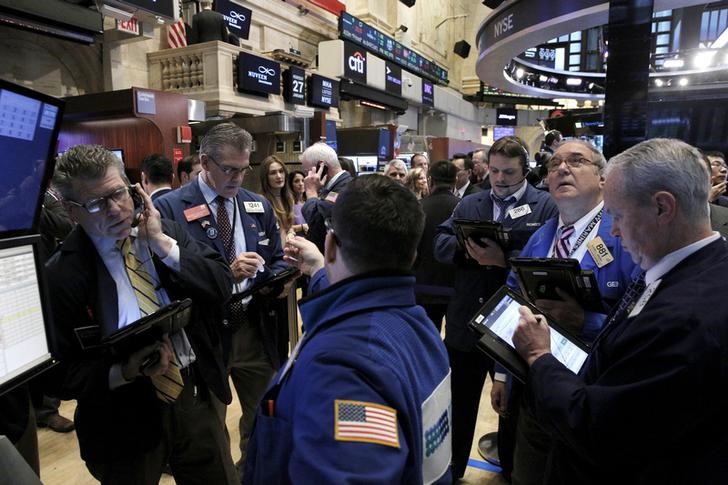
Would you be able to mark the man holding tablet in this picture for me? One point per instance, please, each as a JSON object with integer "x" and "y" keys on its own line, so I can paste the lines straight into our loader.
{"x": 582, "y": 231}
{"x": 654, "y": 385}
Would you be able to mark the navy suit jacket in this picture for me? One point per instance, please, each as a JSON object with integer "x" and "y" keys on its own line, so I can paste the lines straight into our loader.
{"x": 126, "y": 421}
{"x": 650, "y": 404}
{"x": 316, "y": 210}
{"x": 262, "y": 236}
{"x": 474, "y": 284}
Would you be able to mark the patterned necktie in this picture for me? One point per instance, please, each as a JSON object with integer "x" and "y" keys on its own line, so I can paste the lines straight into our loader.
{"x": 169, "y": 385}
{"x": 226, "y": 232}
{"x": 503, "y": 206}
{"x": 629, "y": 299}
{"x": 563, "y": 246}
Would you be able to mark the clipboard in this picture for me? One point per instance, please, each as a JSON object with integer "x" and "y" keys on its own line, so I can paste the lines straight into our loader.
{"x": 539, "y": 278}
{"x": 278, "y": 279}
{"x": 145, "y": 331}
{"x": 495, "y": 323}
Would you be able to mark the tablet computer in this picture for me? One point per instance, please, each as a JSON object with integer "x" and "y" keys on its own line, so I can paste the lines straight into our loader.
{"x": 145, "y": 331}
{"x": 496, "y": 321}
{"x": 539, "y": 278}
{"x": 507, "y": 238}
{"x": 278, "y": 279}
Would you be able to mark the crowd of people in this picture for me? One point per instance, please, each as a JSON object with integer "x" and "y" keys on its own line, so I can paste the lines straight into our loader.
{"x": 372, "y": 393}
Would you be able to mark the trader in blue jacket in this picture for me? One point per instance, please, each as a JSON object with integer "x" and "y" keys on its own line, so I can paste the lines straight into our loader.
{"x": 365, "y": 395}
{"x": 482, "y": 268}
{"x": 582, "y": 231}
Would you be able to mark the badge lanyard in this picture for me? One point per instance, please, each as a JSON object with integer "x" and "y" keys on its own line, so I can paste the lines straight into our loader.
{"x": 585, "y": 233}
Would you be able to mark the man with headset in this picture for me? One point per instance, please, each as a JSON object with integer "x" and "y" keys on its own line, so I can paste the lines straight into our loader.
{"x": 482, "y": 268}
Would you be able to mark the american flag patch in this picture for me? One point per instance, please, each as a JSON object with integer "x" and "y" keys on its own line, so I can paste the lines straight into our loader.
{"x": 366, "y": 422}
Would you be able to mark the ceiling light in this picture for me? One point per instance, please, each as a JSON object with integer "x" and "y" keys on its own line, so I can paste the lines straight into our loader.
{"x": 519, "y": 73}
{"x": 543, "y": 78}
{"x": 703, "y": 59}
{"x": 573, "y": 81}
{"x": 659, "y": 83}
{"x": 683, "y": 81}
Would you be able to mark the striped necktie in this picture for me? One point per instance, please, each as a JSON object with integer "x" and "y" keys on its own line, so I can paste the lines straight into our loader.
{"x": 168, "y": 385}
{"x": 563, "y": 246}
{"x": 503, "y": 206}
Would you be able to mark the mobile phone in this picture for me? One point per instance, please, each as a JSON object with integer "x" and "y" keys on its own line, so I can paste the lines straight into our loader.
{"x": 138, "y": 205}
{"x": 325, "y": 171}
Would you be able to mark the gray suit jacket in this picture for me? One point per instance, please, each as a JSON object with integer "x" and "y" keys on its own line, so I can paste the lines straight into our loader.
{"x": 719, "y": 219}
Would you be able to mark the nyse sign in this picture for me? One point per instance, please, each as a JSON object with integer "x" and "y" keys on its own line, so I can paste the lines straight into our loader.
{"x": 503, "y": 26}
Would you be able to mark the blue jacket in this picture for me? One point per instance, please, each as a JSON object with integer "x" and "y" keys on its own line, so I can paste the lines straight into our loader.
{"x": 316, "y": 210}
{"x": 262, "y": 236}
{"x": 366, "y": 343}
{"x": 474, "y": 284}
{"x": 612, "y": 278}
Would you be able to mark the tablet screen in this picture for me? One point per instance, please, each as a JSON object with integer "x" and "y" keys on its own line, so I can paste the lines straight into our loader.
{"x": 503, "y": 319}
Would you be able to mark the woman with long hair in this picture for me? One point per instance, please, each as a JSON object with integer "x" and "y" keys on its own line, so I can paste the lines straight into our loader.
{"x": 296, "y": 187}
{"x": 273, "y": 178}
{"x": 416, "y": 181}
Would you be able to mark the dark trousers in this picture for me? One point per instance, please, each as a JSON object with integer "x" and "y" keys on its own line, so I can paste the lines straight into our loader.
{"x": 468, "y": 371}
{"x": 436, "y": 312}
{"x": 507, "y": 429}
{"x": 532, "y": 447}
{"x": 194, "y": 442}
{"x": 27, "y": 445}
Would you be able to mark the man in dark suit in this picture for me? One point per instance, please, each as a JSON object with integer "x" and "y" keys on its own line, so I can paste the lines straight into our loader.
{"x": 463, "y": 186}
{"x": 241, "y": 226}
{"x": 482, "y": 268}
{"x": 435, "y": 280}
{"x": 324, "y": 181}
{"x": 663, "y": 352}
{"x": 208, "y": 25}
{"x": 131, "y": 414}
{"x": 157, "y": 175}
{"x": 480, "y": 169}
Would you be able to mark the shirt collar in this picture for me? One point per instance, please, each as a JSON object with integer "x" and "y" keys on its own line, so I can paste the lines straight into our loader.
{"x": 461, "y": 190}
{"x": 158, "y": 190}
{"x": 333, "y": 179}
{"x": 584, "y": 221}
{"x": 672, "y": 259}
{"x": 207, "y": 192}
{"x": 105, "y": 244}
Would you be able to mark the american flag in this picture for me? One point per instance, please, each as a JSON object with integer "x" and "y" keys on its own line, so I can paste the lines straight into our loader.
{"x": 176, "y": 34}
{"x": 367, "y": 422}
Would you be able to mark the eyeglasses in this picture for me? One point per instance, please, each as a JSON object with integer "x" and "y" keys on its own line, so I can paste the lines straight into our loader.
{"x": 230, "y": 170}
{"x": 718, "y": 164}
{"x": 573, "y": 161}
{"x": 330, "y": 229}
{"x": 99, "y": 204}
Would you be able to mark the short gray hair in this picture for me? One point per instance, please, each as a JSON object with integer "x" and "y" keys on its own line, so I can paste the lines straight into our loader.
{"x": 598, "y": 158}
{"x": 396, "y": 163}
{"x": 664, "y": 164}
{"x": 84, "y": 162}
{"x": 222, "y": 136}
{"x": 321, "y": 152}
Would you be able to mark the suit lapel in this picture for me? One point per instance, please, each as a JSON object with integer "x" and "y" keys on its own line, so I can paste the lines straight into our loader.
{"x": 192, "y": 198}
{"x": 250, "y": 226}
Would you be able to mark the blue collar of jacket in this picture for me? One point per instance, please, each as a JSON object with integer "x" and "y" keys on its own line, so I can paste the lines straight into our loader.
{"x": 364, "y": 292}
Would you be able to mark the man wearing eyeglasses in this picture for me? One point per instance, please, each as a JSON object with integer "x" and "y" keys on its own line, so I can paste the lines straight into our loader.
{"x": 583, "y": 232}
{"x": 241, "y": 226}
{"x": 118, "y": 265}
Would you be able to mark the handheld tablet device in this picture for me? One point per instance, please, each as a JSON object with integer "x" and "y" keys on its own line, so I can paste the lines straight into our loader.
{"x": 278, "y": 279}
{"x": 495, "y": 231}
{"x": 539, "y": 278}
{"x": 496, "y": 321}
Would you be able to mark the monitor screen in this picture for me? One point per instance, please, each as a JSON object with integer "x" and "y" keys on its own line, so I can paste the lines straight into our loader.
{"x": 501, "y": 131}
{"x": 323, "y": 92}
{"x": 23, "y": 344}
{"x": 29, "y": 124}
{"x": 119, "y": 153}
{"x": 258, "y": 75}
{"x": 506, "y": 116}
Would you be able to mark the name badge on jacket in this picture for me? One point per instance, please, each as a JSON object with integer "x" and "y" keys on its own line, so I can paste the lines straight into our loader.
{"x": 196, "y": 212}
{"x": 519, "y": 211}
{"x": 600, "y": 252}
{"x": 253, "y": 207}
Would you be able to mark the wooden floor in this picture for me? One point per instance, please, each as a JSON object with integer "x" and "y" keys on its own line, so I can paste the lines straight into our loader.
{"x": 61, "y": 464}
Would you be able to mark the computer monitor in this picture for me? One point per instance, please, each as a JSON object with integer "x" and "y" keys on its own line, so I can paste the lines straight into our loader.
{"x": 119, "y": 154}
{"x": 29, "y": 124}
{"x": 24, "y": 346}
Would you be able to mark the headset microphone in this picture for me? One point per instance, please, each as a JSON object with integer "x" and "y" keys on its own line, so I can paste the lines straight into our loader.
{"x": 517, "y": 183}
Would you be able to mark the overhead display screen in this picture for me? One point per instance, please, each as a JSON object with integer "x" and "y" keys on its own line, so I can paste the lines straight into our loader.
{"x": 393, "y": 79}
{"x": 258, "y": 75}
{"x": 428, "y": 93}
{"x": 354, "y": 30}
{"x": 237, "y": 17}
{"x": 506, "y": 117}
{"x": 355, "y": 63}
{"x": 294, "y": 80}
{"x": 323, "y": 92}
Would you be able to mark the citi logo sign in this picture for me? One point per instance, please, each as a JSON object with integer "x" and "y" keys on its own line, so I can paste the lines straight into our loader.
{"x": 356, "y": 62}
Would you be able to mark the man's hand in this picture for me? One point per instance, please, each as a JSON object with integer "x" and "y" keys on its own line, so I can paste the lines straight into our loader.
{"x": 314, "y": 181}
{"x": 150, "y": 226}
{"x": 246, "y": 265}
{"x": 716, "y": 191}
{"x": 567, "y": 313}
{"x": 490, "y": 255}
{"x": 304, "y": 255}
{"x": 132, "y": 368}
{"x": 499, "y": 398}
{"x": 532, "y": 336}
